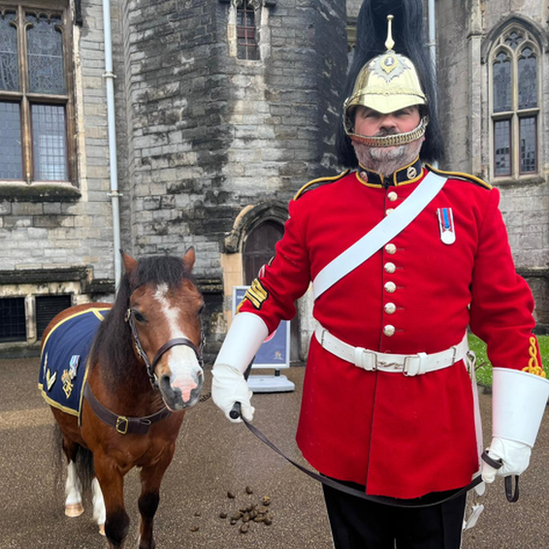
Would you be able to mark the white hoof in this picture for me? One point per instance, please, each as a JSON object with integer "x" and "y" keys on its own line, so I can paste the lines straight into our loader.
{"x": 102, "y": 529}
{"x": 74, "y": 509}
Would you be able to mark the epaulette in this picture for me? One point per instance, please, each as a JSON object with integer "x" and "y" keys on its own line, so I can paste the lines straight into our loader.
{"x": 320, "y": 180}
{"x": 462, "y": 176}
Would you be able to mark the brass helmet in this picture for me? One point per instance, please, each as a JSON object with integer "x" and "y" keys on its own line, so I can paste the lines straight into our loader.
{"x": 386, "y": 83}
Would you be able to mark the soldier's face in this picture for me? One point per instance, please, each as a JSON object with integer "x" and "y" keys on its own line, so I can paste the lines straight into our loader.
{"x": 372, "y": 123}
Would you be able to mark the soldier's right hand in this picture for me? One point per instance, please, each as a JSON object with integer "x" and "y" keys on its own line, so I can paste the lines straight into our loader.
{"x": 228, "y": 387}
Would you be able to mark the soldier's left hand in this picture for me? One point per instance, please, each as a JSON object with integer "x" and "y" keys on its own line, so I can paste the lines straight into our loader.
{"x": 515, "y": 457}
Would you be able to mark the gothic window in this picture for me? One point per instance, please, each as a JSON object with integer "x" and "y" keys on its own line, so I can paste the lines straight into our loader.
{"x": 246, "y": 31}
{"x": 515, "y": 107}
{"x": 35, "y": 106}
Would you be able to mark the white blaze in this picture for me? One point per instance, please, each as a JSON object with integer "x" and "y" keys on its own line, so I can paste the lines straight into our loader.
{"x": 182, "y": 360}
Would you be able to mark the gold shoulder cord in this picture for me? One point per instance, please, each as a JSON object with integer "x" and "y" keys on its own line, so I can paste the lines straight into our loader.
{"x": 320, "y": 180}
{"x": 461, "y": 175}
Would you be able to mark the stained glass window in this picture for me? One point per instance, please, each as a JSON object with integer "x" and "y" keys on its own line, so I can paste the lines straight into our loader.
{"x": 527, "y": 80}
{"x": 502, "y": 146}
{"x": 247, "y": 47}
{"x": 45, "y": 52}
{"x": 502, "y": 83}
{"x": 11, "y": 166}
{"x": 49, "y": 142}
{"x": 9, "y": 63}
{"x": 528, "y": 145}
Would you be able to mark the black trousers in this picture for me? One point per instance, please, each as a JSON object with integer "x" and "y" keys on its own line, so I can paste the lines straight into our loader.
{"x": 360, "y": 524}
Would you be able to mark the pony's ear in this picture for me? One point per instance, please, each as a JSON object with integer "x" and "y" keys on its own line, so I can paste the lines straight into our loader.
{"x": 130, "y": 263}
{"x": 189, "y": 258}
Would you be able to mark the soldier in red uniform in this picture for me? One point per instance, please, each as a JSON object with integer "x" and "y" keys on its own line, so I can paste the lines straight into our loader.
{"x": 403, "y": 259}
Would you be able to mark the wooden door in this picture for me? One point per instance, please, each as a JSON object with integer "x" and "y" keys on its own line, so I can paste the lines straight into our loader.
{"x": 259, "y": 248}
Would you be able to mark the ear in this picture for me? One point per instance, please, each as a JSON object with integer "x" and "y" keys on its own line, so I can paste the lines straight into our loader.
{"x": 189, "y": 258}
{"x": 130, "y": 264}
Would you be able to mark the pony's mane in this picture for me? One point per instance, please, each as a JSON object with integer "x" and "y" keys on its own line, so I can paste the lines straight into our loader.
{"x": 113, "y": 345}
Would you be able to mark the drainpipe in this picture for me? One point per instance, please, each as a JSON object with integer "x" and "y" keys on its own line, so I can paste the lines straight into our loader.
{"x": 113, "y": 160}
{"x": 433, "y": 51}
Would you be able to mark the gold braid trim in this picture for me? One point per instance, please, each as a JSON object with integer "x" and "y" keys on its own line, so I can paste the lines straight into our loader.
{"x": 533, "y": 364}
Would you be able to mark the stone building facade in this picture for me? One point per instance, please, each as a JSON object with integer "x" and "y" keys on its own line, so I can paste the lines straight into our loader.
{"x": 224, "y": 109}
{"x": 213, "y": 141}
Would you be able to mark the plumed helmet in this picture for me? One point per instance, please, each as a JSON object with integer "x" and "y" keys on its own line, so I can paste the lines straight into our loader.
{"x": 386, "y": 81}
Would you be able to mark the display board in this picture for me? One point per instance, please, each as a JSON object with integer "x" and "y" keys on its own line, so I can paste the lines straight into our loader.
{"x": 275, "y": 351}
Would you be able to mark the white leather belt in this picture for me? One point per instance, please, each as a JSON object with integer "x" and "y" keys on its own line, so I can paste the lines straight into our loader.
{"x": 409, "y": 365}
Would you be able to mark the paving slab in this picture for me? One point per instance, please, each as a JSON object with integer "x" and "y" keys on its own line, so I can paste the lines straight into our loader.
{"x": 214, "y": 457}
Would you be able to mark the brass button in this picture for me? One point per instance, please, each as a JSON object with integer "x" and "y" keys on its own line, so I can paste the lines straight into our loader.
{"x": 389, "y": 210}
{"x": 390, "y": 248}
{"x": 389, "y": 267}
{"x": 389, "y": 330}
{"x": 392, "y": 196}
{"x": 389, "y": 308}
{"x": 390, "y": 287}
{"x": 411, "y": 172}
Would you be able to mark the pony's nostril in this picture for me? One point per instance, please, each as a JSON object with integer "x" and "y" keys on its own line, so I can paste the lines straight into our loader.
{"x": 165, "y": 382}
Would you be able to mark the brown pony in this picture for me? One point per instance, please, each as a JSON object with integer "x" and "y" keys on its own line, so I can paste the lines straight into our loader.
{"x": 144, "y": 371}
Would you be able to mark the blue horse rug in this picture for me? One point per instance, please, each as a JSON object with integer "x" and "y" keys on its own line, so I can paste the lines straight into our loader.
{"x": 64, "y": 359}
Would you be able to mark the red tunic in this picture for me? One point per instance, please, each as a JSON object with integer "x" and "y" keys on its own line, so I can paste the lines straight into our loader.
{"x": 399, "y": 436}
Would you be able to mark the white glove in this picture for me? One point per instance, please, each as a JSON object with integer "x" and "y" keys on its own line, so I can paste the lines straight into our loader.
{"x": 228, "y": 387}
{"x": 514, "y": 455}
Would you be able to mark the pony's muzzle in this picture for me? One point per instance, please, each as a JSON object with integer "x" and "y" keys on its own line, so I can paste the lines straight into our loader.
{"x": 181, "y": 393}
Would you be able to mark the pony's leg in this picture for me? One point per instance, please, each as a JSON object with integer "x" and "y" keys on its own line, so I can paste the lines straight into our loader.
{"x": 99, "y": 511}
{"x": 73, "y": 487}
{"x": 117, "y": 521}
{"x": 151, "y": 478}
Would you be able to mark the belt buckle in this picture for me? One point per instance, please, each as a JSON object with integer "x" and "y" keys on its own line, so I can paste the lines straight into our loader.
{"x": 389, "y": 366}
{"x": 122, "y": 424}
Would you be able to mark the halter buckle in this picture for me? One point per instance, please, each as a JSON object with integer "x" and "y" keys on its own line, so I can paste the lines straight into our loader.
{"x": 122, "y": 424}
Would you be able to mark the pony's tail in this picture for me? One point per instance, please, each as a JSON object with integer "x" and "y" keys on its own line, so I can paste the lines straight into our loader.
{"x": 85, "y": 469}
{"x": 83, "y": 462}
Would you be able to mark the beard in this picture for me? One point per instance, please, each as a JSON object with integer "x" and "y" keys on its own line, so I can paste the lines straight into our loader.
{"x": 387, "y": 160}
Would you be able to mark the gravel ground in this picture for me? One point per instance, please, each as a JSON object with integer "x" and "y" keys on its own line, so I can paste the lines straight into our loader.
{"x": 214, "y": 457}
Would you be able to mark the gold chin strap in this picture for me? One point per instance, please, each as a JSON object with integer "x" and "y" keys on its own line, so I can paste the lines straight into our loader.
{"x": 392, "y": 140}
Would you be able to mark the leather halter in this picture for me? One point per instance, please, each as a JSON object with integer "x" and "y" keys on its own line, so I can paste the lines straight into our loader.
{"x": 140, "y": 425}
{"x": 129, "y": 318}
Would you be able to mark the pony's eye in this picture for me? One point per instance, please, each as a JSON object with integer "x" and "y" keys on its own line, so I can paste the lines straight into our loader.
{"x": 201, "y": 310}
{"x": 138, "y": 316}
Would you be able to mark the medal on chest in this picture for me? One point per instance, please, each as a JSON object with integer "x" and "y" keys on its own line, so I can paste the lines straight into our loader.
{"x": 446, "y": 225}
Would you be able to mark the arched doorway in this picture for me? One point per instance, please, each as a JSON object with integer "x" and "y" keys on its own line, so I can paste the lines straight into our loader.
{"x": 258, "y": 249}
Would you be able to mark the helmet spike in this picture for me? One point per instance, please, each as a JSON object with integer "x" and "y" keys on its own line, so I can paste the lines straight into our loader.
{"x": 390, "y": 43}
